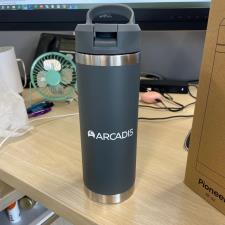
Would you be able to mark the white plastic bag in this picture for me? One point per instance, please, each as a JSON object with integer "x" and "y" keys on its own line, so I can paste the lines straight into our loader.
{"x": 13, "y": 115}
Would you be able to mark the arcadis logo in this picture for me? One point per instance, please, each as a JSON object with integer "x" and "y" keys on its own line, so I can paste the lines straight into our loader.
{"x": 91, "y": 133}
{"x": 111, "y": 136}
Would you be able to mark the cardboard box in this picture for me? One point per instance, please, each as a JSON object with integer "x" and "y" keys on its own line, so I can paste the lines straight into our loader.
{"x": 205, "y": 173}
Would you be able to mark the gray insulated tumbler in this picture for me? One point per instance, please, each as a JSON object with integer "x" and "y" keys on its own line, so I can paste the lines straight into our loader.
{"x": 108, "y": 68}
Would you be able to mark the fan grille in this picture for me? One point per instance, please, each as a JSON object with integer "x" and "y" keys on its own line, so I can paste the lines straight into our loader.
{"x": 65, "y": 88}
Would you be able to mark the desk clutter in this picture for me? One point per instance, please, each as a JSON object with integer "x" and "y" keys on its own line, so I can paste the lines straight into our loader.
{"x": 39, "y": 108}
{"x": 13, "y": 210}
{"x": 21, "y": 212}
{"x": 57, "y": 142}
{"x": 13, "y": 116}
{"x": 53, "y": 75}
{"x": 36, "y": 108}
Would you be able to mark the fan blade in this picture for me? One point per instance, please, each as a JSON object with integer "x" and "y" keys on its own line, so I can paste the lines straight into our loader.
{"x": 52, "y": 64}
{"x": 41, "y": 81}
{"x": 57, "y": 90}
{"x": 67, "y": 76}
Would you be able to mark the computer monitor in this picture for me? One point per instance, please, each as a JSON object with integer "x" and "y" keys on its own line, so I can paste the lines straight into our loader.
{"x": 65, "y": 14}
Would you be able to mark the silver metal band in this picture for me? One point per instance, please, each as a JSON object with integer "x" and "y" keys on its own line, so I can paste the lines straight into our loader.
{"x": 108, "y": 60}
{"x": 109, "y": 199}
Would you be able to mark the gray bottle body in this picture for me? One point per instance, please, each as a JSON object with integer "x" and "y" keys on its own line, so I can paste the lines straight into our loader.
{"x": 108, "y": 99}
{"x": 108, "y": 70}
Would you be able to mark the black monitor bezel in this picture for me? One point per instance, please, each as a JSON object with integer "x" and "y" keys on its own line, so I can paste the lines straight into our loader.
{"x": 66, "y": 20}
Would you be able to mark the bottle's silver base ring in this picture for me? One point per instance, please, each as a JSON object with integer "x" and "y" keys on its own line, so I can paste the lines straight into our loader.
{"x": 109, "y": 199}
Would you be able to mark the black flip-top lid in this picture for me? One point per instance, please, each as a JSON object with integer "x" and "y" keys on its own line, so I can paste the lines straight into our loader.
{"x": 108, "y": 39}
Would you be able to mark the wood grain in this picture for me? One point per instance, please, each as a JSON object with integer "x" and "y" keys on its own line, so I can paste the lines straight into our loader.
{"x": 46, "y": 165}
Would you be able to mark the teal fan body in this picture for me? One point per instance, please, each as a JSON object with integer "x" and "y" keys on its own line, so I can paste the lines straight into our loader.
{"x": 53, "y": 75}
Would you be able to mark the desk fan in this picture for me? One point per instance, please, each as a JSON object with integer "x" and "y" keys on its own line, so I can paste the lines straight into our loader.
{"x": 53, "y": 75}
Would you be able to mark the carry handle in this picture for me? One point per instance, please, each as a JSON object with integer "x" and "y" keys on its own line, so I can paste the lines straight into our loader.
{"x": 118, "y": 9}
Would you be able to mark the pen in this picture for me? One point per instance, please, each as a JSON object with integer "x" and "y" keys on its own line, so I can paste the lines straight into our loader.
{"x": 39, "y": 106}
{"x": 40, "y": 112}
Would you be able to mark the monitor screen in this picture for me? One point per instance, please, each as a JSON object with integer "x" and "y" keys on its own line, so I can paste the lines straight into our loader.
{"x": 65, "y": 14}
{"x": 76, "y": 4}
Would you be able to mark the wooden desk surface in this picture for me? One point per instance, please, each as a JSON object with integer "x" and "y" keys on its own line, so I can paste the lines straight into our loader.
{"x": 46, "y": 165}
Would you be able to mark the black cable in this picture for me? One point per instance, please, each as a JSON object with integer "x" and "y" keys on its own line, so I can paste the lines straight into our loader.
{"x": 192, "y": 103}
{"x": 171, "y": 109}
{"x": 155, "y": 107}
{"x": 166, "y": 118}
{"x": 167, "y": 96}
{"x": 187, "y": 141}
{"x": 193, "y": 81}
{"x": 151, "y": 76}
{"x": 171, "y": 100}
{"x": 189, "y": 91}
